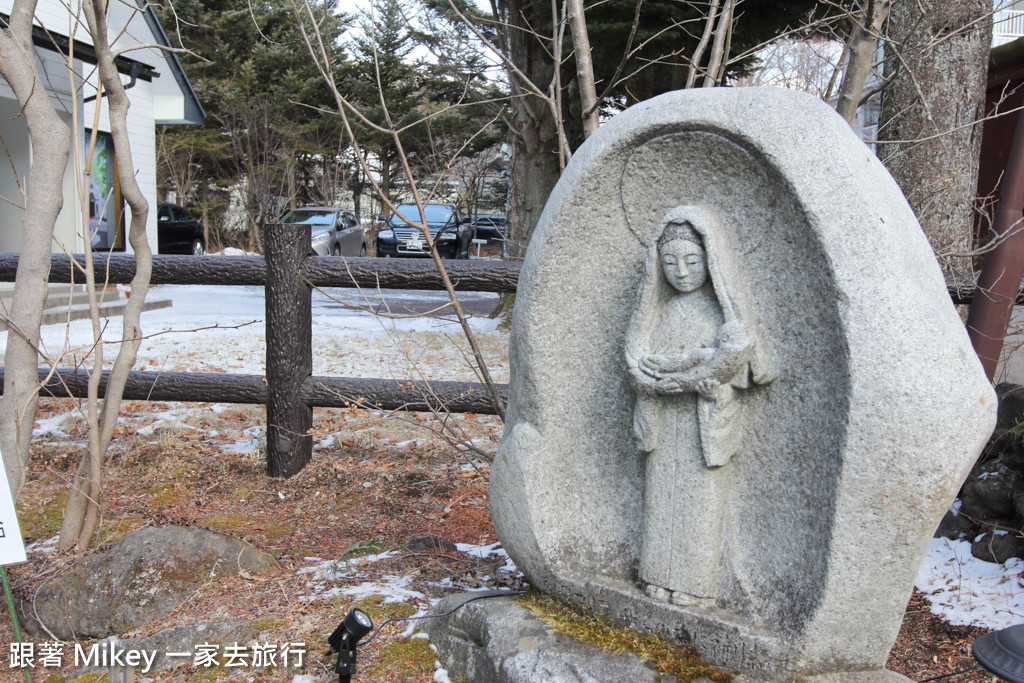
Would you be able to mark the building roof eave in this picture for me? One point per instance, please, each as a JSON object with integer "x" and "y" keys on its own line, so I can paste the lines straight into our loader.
{"x": 193, "y": 110}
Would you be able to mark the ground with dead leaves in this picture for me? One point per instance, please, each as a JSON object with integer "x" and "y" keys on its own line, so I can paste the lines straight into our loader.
{"x": 375, "y": 484}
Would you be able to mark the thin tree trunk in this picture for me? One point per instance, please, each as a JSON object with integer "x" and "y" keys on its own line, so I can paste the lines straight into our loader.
{"x": 51, "y": 144}
{"x": 862, "y": 51}
{"x": 584, "y": 67}
{"x": 102, "y": 431}
{"x": 717, "y": 59}
{"x": 705, "y": 38}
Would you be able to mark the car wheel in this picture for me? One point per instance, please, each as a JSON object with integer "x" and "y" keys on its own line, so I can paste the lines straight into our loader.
{"x": 197, "y": 248}
{"x": 362, "y": 250}
{"x": 336, "y": 251}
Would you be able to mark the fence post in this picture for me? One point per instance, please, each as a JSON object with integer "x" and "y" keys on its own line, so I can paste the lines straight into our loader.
{"x": 289, "y": 349}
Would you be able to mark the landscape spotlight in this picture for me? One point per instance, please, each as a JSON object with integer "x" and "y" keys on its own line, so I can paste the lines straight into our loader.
{"x": 352, "y": 628}
{"x": 1002, "y": 653}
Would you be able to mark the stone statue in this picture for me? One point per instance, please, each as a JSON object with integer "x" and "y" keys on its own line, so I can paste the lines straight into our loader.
{"x": 746, "y": 390}
{"x": 688, "y": 352}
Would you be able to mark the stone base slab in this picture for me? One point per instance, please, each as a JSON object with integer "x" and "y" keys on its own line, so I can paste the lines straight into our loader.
{"x": 495, "y": 640}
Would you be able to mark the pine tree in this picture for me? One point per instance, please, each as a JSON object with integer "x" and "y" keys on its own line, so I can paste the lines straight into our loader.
{"x": 270, "y": 131}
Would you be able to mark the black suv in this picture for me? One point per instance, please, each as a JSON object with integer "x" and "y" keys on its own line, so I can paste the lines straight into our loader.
{"x": 490, "y": 226}
{"x": 177, "y": 232}
{"x": 449, "y": 231}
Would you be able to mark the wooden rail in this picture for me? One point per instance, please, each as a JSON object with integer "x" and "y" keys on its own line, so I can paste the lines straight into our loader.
{"x": 321, "y": 271}
{"x": 325, "y": 392}
{"x": 289, "y": 389}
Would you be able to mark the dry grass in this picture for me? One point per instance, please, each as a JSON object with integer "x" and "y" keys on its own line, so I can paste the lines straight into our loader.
{"x": 373, "y": 482}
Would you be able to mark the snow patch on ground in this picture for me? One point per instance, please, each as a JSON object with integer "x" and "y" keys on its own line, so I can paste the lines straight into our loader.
{"x": 51, "y": 426}
{"x": 221, "y": 329}
{"x": 393, "y": 588}
{"x": 483, "y": 551}
{"x": 43, "y": 546}
{"x": 964, "y": 590}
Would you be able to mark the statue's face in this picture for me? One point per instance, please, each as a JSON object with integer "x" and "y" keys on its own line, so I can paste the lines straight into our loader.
{"x": 685, "y": 265}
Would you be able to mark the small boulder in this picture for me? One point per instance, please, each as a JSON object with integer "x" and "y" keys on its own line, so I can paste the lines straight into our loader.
{"x": 1011, "y": 406}
{"x": 998, "y": 545}
{"x": 430, "y": 542}
{"x": 955, "y": 526}
{"x": 142, "y": 578}
{"x": 988, "y": 492}
{"x": 991, "y": 509}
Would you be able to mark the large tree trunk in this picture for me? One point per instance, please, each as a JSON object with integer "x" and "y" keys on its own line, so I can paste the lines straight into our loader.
{"x": 937, "y": 93}
{"x": 51, "y": 145}
{"x": 535, "y": 167}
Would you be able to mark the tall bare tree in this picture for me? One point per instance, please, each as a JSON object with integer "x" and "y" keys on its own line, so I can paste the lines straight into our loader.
{"x": 85, "y": 500}
{"x": 861, "y": 50}
{"x": 50, "y": 139}
{"x": 51, "y": 145}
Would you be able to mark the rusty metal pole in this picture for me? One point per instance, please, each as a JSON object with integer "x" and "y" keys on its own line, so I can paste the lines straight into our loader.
{"x": 1003, "y": 267}
{"x": 289, "y": 302}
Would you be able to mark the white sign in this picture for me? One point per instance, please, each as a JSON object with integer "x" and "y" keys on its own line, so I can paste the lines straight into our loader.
{"x": 12, "y": 545}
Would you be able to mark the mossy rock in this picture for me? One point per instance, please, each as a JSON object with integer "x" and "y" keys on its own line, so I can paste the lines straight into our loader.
{"x": 402, "y": 660}
{"x": 143, "y": 578}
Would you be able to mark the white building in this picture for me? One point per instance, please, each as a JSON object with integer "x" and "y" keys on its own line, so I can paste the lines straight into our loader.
{"x": 1007, "y": 21}
{"x": 159, "y": 92}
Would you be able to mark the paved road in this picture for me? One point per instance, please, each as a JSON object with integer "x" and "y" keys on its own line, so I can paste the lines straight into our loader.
{"x": 403, "y": 302}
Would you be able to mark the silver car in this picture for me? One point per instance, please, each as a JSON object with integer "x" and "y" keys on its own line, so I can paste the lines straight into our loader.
{"x": 334, "y": 232}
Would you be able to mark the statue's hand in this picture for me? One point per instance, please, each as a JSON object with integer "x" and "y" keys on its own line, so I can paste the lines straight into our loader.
{"x": 670, "y": 386}
{"x": 707, "y": 388}
{"x": 663, "y": 366}
{"x": 653, "y": 365}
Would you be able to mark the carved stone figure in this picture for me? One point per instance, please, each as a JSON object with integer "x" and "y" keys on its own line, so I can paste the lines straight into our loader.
{"x": 689, "y": 353}
{"x": 737, "y": 379}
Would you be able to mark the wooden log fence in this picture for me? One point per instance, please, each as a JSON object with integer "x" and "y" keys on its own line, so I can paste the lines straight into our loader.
{"x": 289, "y": 389}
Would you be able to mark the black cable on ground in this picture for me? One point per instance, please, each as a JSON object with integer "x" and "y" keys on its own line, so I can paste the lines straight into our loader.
{"x": 482, "y": 596}
{"x": 955, "y": 673}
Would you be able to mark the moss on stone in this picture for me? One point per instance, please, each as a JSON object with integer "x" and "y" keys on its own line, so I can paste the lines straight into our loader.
{"x": 370, "y": 546}
{"x": 40, "y": 521}
{"x": 591, "y": 628}
{"x": 268, "y": 625}
{"x": 380, "y": 611}
{"x": 403, "y": 660}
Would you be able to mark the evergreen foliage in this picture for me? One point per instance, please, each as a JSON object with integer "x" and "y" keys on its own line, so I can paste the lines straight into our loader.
{"x": 273, "y": 137}
{"x": 272, "y": 133}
